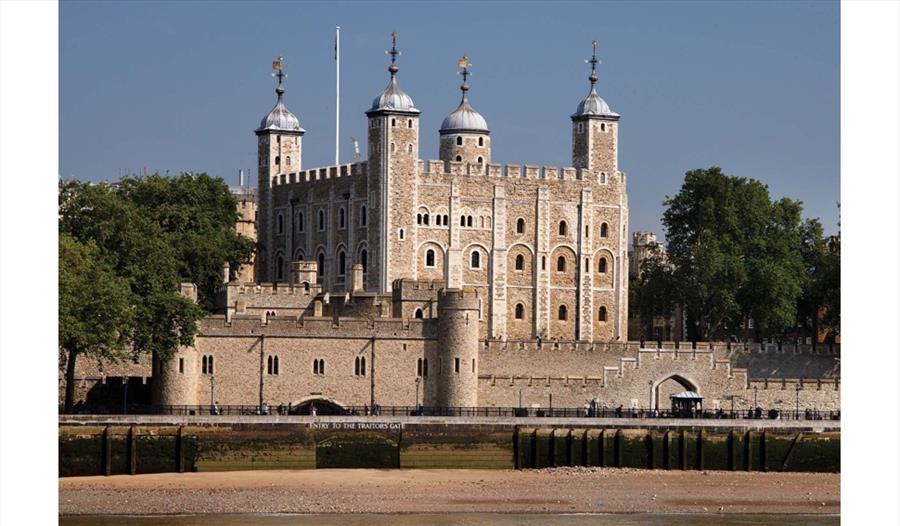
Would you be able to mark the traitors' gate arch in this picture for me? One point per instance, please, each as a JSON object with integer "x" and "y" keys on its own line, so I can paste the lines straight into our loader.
{"x": 668, "y": 385}
{"x": 324, "y": 406}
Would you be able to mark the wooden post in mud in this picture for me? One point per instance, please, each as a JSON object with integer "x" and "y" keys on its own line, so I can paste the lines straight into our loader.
{"x": 132, "y": 451}
{"x": 107, "y": 452}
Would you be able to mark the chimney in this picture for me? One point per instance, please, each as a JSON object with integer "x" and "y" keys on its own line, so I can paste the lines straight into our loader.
{"x": 356, "y": 278}
{"x": 226, "y": 273}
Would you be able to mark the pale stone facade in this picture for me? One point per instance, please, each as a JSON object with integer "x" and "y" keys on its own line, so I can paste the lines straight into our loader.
{"x": 453, "y": 282}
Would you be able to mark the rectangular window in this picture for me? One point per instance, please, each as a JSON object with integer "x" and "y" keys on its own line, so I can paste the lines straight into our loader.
{"x": 473, "y": 365}
{"x": 456, "y": 364}
{"x": 181, "y": 365}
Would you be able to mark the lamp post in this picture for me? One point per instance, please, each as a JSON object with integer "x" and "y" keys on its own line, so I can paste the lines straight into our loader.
{"x": 755, "y": 388}
{"x": 418, "y": 380}
{"x": 212, "y": 391}
{"x": 650, "y": 403}
{"x": 797, "y": 412}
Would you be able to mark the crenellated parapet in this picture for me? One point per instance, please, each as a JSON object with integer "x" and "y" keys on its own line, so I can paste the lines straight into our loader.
{"x": 433, "y": 168}
{"x": 325, "y": 173}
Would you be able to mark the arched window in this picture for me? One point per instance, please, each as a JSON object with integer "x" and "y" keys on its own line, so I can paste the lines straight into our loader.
{"x": 342, "y": 216}
{"x": 277, "y": 159}
{"x": 604, "y": 230}
{"x": 425, "y": 219}
{"x": 459, "y": 158}
{"x": 356, "y": 366}
{"x": 480, "y": 143}
{"x": 601, "y": 267}
{"x": 409, "y": 123}
{"x": 321, "y": 265}
{"x": 475, "y": 260}
{"x": 205, "y": 363}
{"x": 543, "y": 262}
{"x": 520, "y": 262}
{"x": 458, "y": 142}
{"x": 362, "y": 365}
{"x": 364, "y": 259}
{"x": 462, "y": 220}
{"x": 602, "y": 126}
{"x": 270, "y": 369}
{"x": 392, "y": 147}
{"x": 520, "y": 311}
{"x": 288, "y": 160}
{"x": 481, "y": 224}
{"x": 299, "y": 221}
{"x": 468, "y": 221}
{"x": 520, "y": 226}
{"x": 418, "y": 219}
{"x": 562, "y": 313}
{"x": 561, "y": 264}
{"x": 419, "y": 367}
{"x": 446, "y": 220}
{"x": 480, "y": 160}
{"x": 280, "y": 224}
{"x": 321, "y": 220}
{"x": 563, "y": 228}
{"x": 393, "y": 122}
{"x": 409, "y": 148}
{"x": 587, "y": 264}
{"x": 279, "y": 267}
{"x": 363, "y": 220}
{"x": 316, "y": 366}
{"x": 429, "y": 258}
{"x": 602, "y": 316}
{"x": 402, "y": 234}
{"x": 322, "y": 367}
{"x": 342, "y": 263}
{"x": 419, "y": 314}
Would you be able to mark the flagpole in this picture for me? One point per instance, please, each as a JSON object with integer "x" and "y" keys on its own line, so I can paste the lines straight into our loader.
{"x": 337, "y": 103}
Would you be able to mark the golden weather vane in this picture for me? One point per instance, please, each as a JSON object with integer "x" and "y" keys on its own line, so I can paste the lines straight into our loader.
{"x": 278, "y": 65}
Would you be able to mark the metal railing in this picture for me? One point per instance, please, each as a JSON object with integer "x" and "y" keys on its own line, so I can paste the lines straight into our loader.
{"x": 483, "y": 412}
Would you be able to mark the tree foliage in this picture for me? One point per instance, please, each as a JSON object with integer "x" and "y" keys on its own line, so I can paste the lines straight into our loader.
{"x": 150, "y": 234}
{"x": 95, "y": 314}
{"x": 734, "y": 253}
{"x": 651, "y": 291}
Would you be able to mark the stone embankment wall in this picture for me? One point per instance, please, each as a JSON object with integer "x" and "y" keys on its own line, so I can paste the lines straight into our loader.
{"x": 199, "y": 444}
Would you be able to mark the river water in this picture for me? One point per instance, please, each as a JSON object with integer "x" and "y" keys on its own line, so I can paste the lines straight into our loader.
{"x": 473, "y": 519}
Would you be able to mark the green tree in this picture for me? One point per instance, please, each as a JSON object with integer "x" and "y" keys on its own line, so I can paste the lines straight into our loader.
{"x": 198, "y": 214}
{"x": 95, "y": 314}
{"x": 156, "y": 232}
{"x": 652, "y": 290}
{"x": 735, "y": 254}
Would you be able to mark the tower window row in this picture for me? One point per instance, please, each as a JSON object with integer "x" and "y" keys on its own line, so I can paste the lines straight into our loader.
{"x": 321, "y": 218}
{"x": 563, "y": 313}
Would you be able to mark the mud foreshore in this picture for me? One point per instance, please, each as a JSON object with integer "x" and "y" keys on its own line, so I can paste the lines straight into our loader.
{"x": 559, "y": 490}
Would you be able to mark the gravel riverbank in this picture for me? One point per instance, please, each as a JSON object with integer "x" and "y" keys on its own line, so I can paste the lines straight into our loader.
{"x": 558, "y": 490}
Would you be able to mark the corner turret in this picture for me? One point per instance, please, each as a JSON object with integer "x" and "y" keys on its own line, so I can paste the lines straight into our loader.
{"x": 456, "y": 356}
{"x": 465, "y": 136}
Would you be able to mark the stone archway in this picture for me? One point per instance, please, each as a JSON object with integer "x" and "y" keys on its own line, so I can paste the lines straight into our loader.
{"x": 668, "y": 385}
{"x": 324, "y": 406}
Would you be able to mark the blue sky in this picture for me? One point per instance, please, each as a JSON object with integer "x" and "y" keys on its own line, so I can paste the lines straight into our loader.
{"x": 752, "y": 87}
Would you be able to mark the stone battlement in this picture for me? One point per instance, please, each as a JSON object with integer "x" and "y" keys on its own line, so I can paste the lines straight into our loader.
{"x": 320, "y": 327}
{"x": 321, "y": 174}
{"x": 450, "y": 168}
